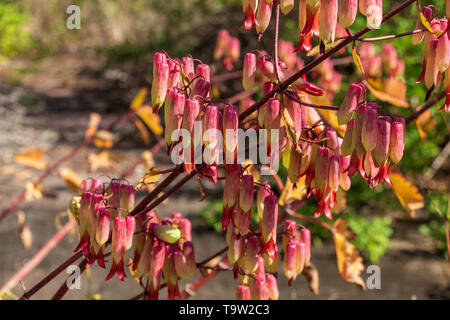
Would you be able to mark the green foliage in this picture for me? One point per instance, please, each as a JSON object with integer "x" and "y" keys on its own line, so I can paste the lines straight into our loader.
{"x": 14, "y": 38}
{"x": 212, "y": 213}
{"x": 372, "y": 235}
{"x": 436, "y": 227}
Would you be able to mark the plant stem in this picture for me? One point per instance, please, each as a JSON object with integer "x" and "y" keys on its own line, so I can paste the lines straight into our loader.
{"x": 63, "y": 289}
{"x": 275, "y": 41}
{"x": 392, "y": 36}
{"x": 316, "y": 106}
{"x": 425, "y": 107}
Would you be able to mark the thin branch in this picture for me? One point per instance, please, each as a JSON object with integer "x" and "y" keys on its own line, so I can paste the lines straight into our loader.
{"x": 392, "y": 36}
{"x": 40, "y": 255}
{"x": 64, "y": 288}
{"x": 218, "y": 253}
{"x": 425, "y": 107}
{"x": 309, "y": 219}
{"x": 275, "y": 41}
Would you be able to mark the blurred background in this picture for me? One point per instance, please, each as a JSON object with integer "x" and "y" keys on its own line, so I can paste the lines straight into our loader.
{"x": 52, "y": 79}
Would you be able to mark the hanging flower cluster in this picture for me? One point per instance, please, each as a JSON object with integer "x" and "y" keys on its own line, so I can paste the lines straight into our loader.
{"x": 320, "y": 18}
{"x": 370, "y": 140}
{"x": 436, "y": 55}
{"x": 162, "y": 247}
{"x": 374, "y": 64}
{"x": 228, "y": 49}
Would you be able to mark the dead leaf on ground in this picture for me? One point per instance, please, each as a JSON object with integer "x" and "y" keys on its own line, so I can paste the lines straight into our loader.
{"x": 407, "y": 193}
{"x": 71, "y": 178}
{"x": 94, "y": 121}
{"x": 103, "y": 139}
{"x": 312, "y": 275}
{"x": 33, "y": 192}
{"x": 349, "y": 262}
{"x": 34, "y": 158}
{"x": 25, "y": 235}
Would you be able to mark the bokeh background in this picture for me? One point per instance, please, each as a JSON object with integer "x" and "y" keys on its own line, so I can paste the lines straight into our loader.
{"x": 52, "y": 78}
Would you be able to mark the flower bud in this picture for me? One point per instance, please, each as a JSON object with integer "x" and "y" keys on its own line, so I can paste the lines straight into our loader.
{"x": 114, "y": 198}
{"x": 322, "y": 168}
{"x": 286, "y": 6}
{"x": 246, "y": 193}
{"x": 347, "y": 10}
{"x": 251, "y": 254}
{"x": 102, "y": 229}
{"x": 350, "y": 103}
{"x": 271, "y": 264}
{"x": 357, "y": 131}
{"x": 174, "y": 74}
{"x": 334, "y": 173}
{"x": 159, "y": 84}
{"x": 373, "y": 10}
{"x": 167, "y": 233}
{"x": 328, "y": 20}
{"x": 221, "y": 45}
{"x": 158, "y": 256}
{"x": 431, "y": 70}
{"x": 347, "y": 146}
{"x": 203, "y": 72}
{"x": 248, "y": 74}
{"x": 235, "y": 248}
{"x": 230, "y": 194}
{"x": 272, "y": 286}
{"x": 289, "y": 232}
{"x": 127, "y": 196}
{"x": 381, "y": 151}
{"x": 295, "y": 160}
{"x": 188, "y": 67}
{"x": 173, "y": 112}
{"x": 305, "y": 237}
{"x": 290, "y": 261}
{"x": 260, "y": 291}
{"x": 397, "y": 142}
{"x": 185, "y": 261}
{"x": 200, "y": 90}
{"x": 300, "y": 257}
{"x": 293, "y": 115}
{"x": 263, "y": 15}
{"x": 263, "y": 192}
{"x": 269, "y": 225}
{"x": 249, "y": 8}
{"x": 243, "y": 291}
{"x": 130, "y": 222}
{"x": 118, "y": 248}
{"x": 369, "y": 132}
{"x": 230, "y": 129}
{"x": 443, "y": 51}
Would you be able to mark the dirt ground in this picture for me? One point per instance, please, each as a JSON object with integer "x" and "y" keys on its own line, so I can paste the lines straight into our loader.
{"x": 55, "y": 120}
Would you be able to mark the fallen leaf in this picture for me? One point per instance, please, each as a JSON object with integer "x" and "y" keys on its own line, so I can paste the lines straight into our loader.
{"x": 94, "y": 121}
{"x": 104, "y": 139}
{"x": 390, "y": 90}
{"x": 407, "y": 193}
{"x": 71, "y": 178}
{"x": 33, "y": 192}
{"x": 349, "y": 262}
{"x": 139, "y": 99}
{"x": 312, "y": 275}
{"x": 291, "y": 194}
{"x": 32, "y": 158}
{"x": 102, "y": 160}
{"x": 25, "y": 235}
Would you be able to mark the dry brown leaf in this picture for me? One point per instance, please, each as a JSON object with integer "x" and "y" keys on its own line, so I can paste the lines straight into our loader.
{"x": 391, "y": 90}
{"x": 33, "y": 192}
{"x": 34, "y": 158}
{"x": 349, "y": 262}
{"x": 143, "y": 130}
{"x": 291, "y": 194}
{"x": 152, "y": 176}
{"x": 151, "y": 119}
{"x": 425, "y": 122}
{"x": 94, "y": 121}
{"x": 329, "y": 115}
{"x": 25, "y": 235}
{"x": 103, "y": 139}
{"x": 71, "y": 178}
{"x": 139, "y": 98}
{"x": 312, "y": 275}
{"x": 357, "y": 61}
{"x": 103, "y": 159}
{"x": 407, "y": 193}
